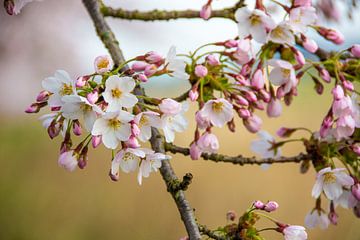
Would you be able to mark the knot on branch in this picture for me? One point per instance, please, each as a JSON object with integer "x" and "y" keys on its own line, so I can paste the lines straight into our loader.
{"x": 177, "y": 185}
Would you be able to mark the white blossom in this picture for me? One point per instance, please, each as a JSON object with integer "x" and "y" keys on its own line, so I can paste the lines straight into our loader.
{"x": 317, "y": 218}
{"x": 151, "y": 163}
{"x": 175, "y": 65}
{"x": 218, "y": 111}
{"x": 146, "y": 120}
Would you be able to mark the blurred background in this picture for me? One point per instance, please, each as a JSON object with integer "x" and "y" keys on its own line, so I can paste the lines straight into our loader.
{"x": 39, "y": 200}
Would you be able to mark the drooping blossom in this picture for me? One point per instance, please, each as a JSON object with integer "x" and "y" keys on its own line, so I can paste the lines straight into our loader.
{"x": 118, "y": 93}
{"x": 243, "y": 51}
{"x": 274, "y": 108}
{"x": 346, "y": 200}
{"x": 68, "y": 160}
{"x": 127, "y": 159}
{"x": 201, "y": 121}
{"x": 264, "y": 146}
{"x": 175, "y": 66}
{"x": 252, "y": 123}
{"x": 208, "y": 142}
{"x": 283, "y": 74}
{"x": 103, "y": 64}
{"x": 174, "y": 121}
{"x": 144, "y": 121}
{"x": 59, "y": 85}
{"x": 255, "y": 23}
{"x": 317, "y": 218}
{"x": 218, "y": 111}
{"x": 113, "y": 127}
{"x": 294, "y": 232}
{"x": 151, "y": 163}
{"x": 331, "y": 181}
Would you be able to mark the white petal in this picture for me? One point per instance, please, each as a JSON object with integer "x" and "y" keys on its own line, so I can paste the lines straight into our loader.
{"x": 317, "y": 189}
{"x": 109, "y": 139}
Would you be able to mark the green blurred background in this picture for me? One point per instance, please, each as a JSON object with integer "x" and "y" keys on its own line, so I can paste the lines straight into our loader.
{"x": 39, "y": 200}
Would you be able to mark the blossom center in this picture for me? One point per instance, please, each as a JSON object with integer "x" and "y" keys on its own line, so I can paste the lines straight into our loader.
{"x": 66, "y": 90}
{"x": 285, "y": 72}
{"x": 103, "y": 63}
{"x": 128, "y": 157}
{"x": 116, "y": 93}
{"x": 217, "y": 107}
{"x": 255, "y": 20}
{"x": 143, "y": 121}
{"x": 85, "y": 108}
{"x": 114, "y": 123}
{"x": 278, "y": 32}
{"x": 329, "y": 177}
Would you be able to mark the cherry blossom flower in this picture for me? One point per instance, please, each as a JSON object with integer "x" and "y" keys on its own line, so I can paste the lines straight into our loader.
{"x": 170, "y": 106}
{"x": 264, "y": 147}
{"x": 346, "y": 200}
{"x": 151, "y": 163}
{"x": 331, "y": 181}
{"x": 283, "y": 74}
{"x": 77, "y": 107}
{"x": 345, "y": 127}
{"x": 146, "y": 120}
{"x": 127, "y": 159}
{"x": 171, "y": 123}
{"x": 118, "y": 93}
{"x": 59, "y": 85}
{"x": 103, "y": 64}
{"x": 68, "y": 160}
{"x": 243, "y": 51}
{"x": 175, "y": 66}
{"x": 294, "y": 232}
{"x": 255, "y": 23}
{"x": 301, "y": 17}
{"x": 274, "y": 108}
{"x": 113, "y": 127}
{"x": 282, "y": 34}
{"x": 201, "y": 121}
{"x": 252, "y": 123}
{"x": 218, "y": 111}
{"x": 208, "y": 142}
{"x": 317, "y": 218}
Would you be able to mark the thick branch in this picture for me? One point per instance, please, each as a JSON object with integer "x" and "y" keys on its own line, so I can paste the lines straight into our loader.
{"x": 157, "y": 142}
{"x": 186, "y": 212}
{"x": 168, "y": 15}
{"x": 240, "y": 160}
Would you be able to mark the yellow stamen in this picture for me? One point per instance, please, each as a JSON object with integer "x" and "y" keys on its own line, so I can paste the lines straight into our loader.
{"x": 103, "y": 63}
{"x": 217, "y": 106}
{"x": 116, "y": 93}
{"x": 114, "y": 123}
{"x": 329, "y": 177}
{"x": 66, "y": 90}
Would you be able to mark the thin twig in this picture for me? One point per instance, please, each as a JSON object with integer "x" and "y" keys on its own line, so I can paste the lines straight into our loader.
{"x": 205, "y": 231}
{"x": 239, "y": 160}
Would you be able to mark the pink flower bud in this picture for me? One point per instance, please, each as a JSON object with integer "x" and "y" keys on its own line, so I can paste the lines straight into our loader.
{"x": 264, "y": 95}
{"x": 103, "y": 64}
{"x": 205, "y": 12}
{"x": 348, "y": 85}
{"x": 150, "y": 70}
{"x": 68, "y": 160}
{"x": 212, "y": 60}
{"x": 193, "y": 95}
{"x": 274, "y": 108}
{"x": 95, "y": 141}
{"x": 355, "y": 50}
{"x": 271, "y": 206}
{"x": 153, "y": 58}
{"x": 299, "y": 57}
{"x": 33, "y": 108}
{"x": 253, "y": 123}
{"x": 92, "y": 97}
{"x": 135, "y": 130}
{"x": 285, "y": 132}
{"x": 258, "y": 80}
{"x": 201, "y": 71}
{"x": 43, "y": 96}
{"x": 241, "y": 80}
{"x": 142, "y": 77}
{"x": 355, "y": 190}
{"x": 324, "y": 74}
{"x": 55, "y": 109}
{"x": 357, "y": 210}
{"x": 244, "y": 113}
{"x": 338, "y": 92}
{"x": 310, "y": 45}
{"x": 231, "y": 215}
{"x": 81, "y": 81}
{"x": 195, "y": 152}
{"x": 114, "y": 177}
{"x": 332, "y": 35}
{"x": 241, "y": 100}
{"x": 139, "y": 66}
{"x": 259, "y": 105}
{"x": 302, "y": 3}
{"x": 201, "y": 121}
{"x": 250, "y": 96}
{"x": 280, "y": 92}
{"x": 77, "y": 130}
{"x": 170, "y": 106}
{"x": 132, "y": 142}
{"x": 333, "y": 217}
{"x": 54, "y": 130}
{"x": 231, "y": 43}
{"x": 356, "y": 149}
{"x": 9, "y": 6}
{"x": 259, "y": 205}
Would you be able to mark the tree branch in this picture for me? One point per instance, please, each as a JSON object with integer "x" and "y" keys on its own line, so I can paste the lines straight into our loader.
{"x": 239, "y": 160}
{"x": 204, "y": 230}
{"x": 168, "y": 15}
{"x": 157, "y": 142}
